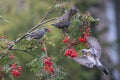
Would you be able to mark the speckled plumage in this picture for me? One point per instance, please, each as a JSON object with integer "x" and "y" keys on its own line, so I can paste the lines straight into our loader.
{"x": 37, "y": 34}
{"x": 64, "y": 21}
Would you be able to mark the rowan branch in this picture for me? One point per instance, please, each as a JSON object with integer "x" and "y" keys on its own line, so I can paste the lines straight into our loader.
{"x": 36, "y": 26}
{"x": 39, "y": 24}
{"x": 52, "y": 7}
{"x": 60, "y": 1}
{"x": 45, "y": 49}
{"x": 25, "y": 51}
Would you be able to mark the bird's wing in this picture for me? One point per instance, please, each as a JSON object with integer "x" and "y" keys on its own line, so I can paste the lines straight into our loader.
{"x": 94, "y": 46}
{"x": 36, "y": 34}
{"x": 40, "y": 33}
{"x": 84, "y": 61}
{"x": 62, "y": 23}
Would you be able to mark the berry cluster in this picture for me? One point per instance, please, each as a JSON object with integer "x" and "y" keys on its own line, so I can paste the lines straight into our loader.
{"x": 82, "y": 39}
{"x": 16, "y": 70}
{"x": 43, "y": 49}
{"x": 70, "y": 52}
{"x": 12, "y": 56}
{"x": 85, "y": 29}
{"x": 85, "y": 34}
{"x": 66, "y": 40}
{"x": 48, "y": 65}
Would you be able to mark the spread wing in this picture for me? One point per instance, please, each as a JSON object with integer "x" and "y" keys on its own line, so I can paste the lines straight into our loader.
{"x": 84, "y": 61}
{"x": 94, "y": 46}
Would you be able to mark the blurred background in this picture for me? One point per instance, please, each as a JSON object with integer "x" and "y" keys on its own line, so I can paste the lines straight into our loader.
{"x": 21, "y": 15}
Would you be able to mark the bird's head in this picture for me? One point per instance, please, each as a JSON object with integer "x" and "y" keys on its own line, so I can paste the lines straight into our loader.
{"x": 73, "y": 11}
{"x": 47, "y": 30}
{"x": 84, "y": 51}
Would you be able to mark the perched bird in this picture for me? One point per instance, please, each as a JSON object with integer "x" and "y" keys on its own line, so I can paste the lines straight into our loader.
{"x": 37, "y": 34}
{"x": 64, "y": 21}
{"x": 91, "y": 56}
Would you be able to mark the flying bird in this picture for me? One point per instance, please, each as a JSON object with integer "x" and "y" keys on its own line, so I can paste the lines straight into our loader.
{"x": 37, "y": 34}
{"x": 64, "y": 21}
{"x": 91, "y": 56}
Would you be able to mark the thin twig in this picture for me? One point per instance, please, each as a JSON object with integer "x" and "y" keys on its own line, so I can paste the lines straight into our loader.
{"x": 12, "y": 49}
{"x": 60, "y": 1}
{"x": 52, "y": 7}
{"x": 45, "y": 51}
{"x": 23, "y": 51}
{"x": 36, "y": 26}
{"x": 2, "y": 56}
{"x": 40, "y": 23}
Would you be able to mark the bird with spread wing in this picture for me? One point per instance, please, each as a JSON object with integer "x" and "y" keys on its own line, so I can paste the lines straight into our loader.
{"x": 92, "y": 55}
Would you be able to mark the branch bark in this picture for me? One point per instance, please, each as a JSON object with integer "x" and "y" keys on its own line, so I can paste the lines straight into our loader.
{"x": 25, "y": 51}
{"x": 36, "y": 26}
{"x": 40, "y": 23}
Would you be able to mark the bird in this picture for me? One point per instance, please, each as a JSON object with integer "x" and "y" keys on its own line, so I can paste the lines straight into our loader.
{"x": 64, "y": 21}
{"x": 91, "y": 57}
{"x": 37, "y": 34}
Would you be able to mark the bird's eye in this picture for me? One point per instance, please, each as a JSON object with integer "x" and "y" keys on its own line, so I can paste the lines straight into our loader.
{"x": 82, "y": 51}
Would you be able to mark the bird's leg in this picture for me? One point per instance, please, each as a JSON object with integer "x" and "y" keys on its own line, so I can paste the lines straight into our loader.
{"x": 63, "y": 30}
{"x": 66, "y": 30}
{"x": 64, "y": 33}
{"x": 39, "y": 42}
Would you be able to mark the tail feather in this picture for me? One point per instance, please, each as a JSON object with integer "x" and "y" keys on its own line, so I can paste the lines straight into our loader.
{"x": 105, "y": 71}
{"x": 29, "y": 38}
{"x": 55, "y": 25}
{"x": 102, "y": 68}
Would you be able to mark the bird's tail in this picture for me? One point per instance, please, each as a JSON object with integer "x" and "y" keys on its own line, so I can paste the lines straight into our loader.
{"x": 29, "y": 38}
{"x": 54, "y": 24}
{"x": 102, "y": 68}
